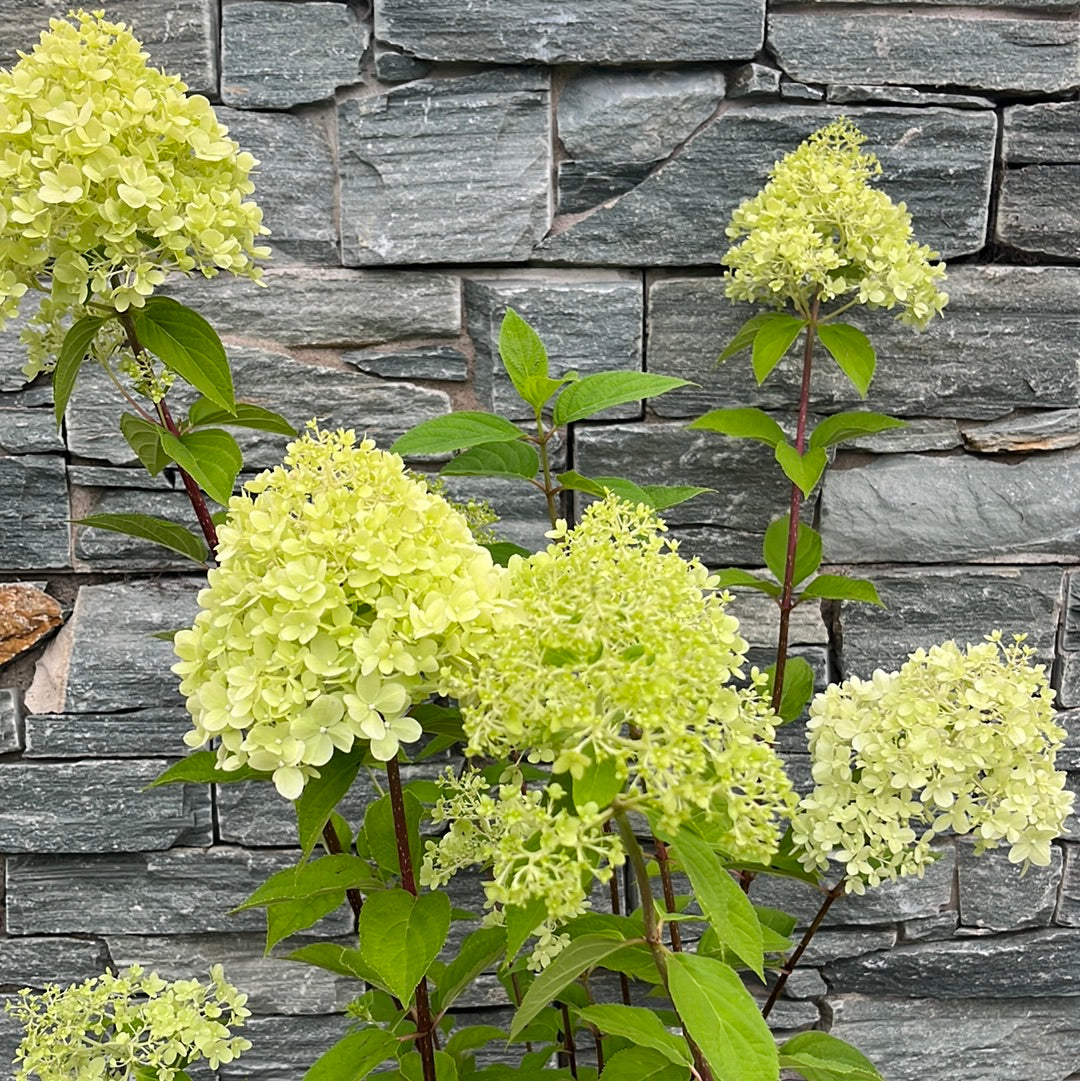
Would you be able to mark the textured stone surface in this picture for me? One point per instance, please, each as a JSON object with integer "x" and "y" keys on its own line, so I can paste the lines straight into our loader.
{"x": 28, "y": 431}
{"x": 586, "y": 326}
{"x": 523, "y": 518}
{"x": 925, "y": 605}
{"x": 446, "y": 170}
{"x": 946, "y": 371}
{"x": 909, "y": 508}
{"x": 280, "y": 1043}
{"x": 597, "y": 31}
{"x": 793, "y": 91}
{"x": 181, "y": 891}
{"x": 1068, "y": 911}
{"x": 394, "y": 66}
{"x": 916, "y": 435}
{"x": 1046, "y": 133}
{"x": 932, "y": 159}
{"x": 27, "y": 615}
{"x": 11, "y": 722}
{"x": 105, "y": 658}
{"x": 1038, "y": 964}
{"x": 33, "y": 513}
{"x": 442, "y": 362}
{"x": 853, "y": 94}
{"x": 753, "y": 80}
{"x": 1019, "y": 433}
{"x": 910, "y": 1039}
{"x": 34, "y": 962}
{"x": 723, "y": 526}
{"x": 583, "y": 185}
{"x": 829, "y": 945}
{"x": 184, "y": 42}
{"x": 1037, "y": 210}
{"x": 998, "y": 52}
{"x": 322, "y": 42}
{"x": 1069, "y": 756}
{"x": 994, "y": 895}
{"x": 139, "y": 733}
{"x": 634, "y": 115}
{"x": 99, "y": 807}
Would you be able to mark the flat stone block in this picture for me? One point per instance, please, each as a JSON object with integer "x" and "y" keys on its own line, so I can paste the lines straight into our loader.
{"x": 11, "y": 727}
{"x": 29, "y": 431}
{"x": 994, "y": 895}
{"x": 322, "y": 41}
{"x": 180, "y": 891}
{"x": 586, "y": 326}
{"x": 829, "y": 945}
{"x": 1068, "y": 911}
{"x": 1069, "y": 756}
{"x": 852, "y": 93}
{"x": 593, "y": 31}
{"x": 911, "y": 1039}
{"x": 105, "y": 658}
{"x": 993, "y": 51}
{"x": 283, "y": 1046}
{"x": 440, "y": 362}
{"x": 140, "y": 733}
{"x": 1045, "y": 133}
{"x": 34, "y": 962}
{"x": 33, "y": 513}
{"x": 309, "y": 307}
{"x": 933, "y": 159}
{"x": 916, "y": 435}
{"x": 294, "y": 183}
{"x": 926, "y": 605}
{"x": 1037, "y": 210}
{"x": 583, "y": 185}
{"x": 944, "y": 372}
{"x": 394, "y": 66}
{"x": 910, "y": 508}
{"x": 27, "y": 615}
{"x": 753, "y": 80}
{"x": 1021, "y": 433}
{"x": 446, "y": 170}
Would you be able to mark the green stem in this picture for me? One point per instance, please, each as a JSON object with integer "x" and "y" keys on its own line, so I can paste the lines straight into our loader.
{"x": 549, "y": 490}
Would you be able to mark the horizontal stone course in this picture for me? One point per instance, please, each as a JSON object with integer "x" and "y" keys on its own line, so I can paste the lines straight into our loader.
{"x": 1037, "y": 211}
{"x": 34, "y": 513}
{"x": 1045, "y": 133}
{"x": 135, "y": 734}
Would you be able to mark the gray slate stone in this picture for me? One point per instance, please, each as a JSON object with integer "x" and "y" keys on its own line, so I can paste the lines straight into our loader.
{"x": 441, "y": 362}
{"x": 105, "y": 658}
{"x": 99, "y": 807}
{"x": 753, "y": 81}
{"x": 586, "y": 326}
{"x": 1038, "y": 964}
{"x": 137, "y": 734}
{"x": 276, "y": 54}
{"x": 583, "y": 185}
{"x": 33, "y": 513}
{"x": 394, "y": 66}
{"x": 917, "y": 435}
{"x": 929, "y": 927}
{"x": 1071, "y": 829}
{"x": 180, "y": 891}
{"x": 309, "y": 307}
{"x": 294, "y": 183}
{"x": 1004, "y": 53}
{"x": 1069, "y": 756}
{"x": 29, "y": 431}
{"x": 635, "y": 115}
{"x": 183, "y": 41}
{"x": 1037, "y": 210}
{"x": 1024, "y": 432}
{"x": 793, "y": 91}
{"x": 828, "y": 946}
{"x": 11, "y": 721}
{"x": 1068, "y": 911}
{"x": 910, "y": 1039}
{"x": 723, "y": 526}
{"x": 283, "y": 1046}
{"x": 446, "y": 170}
{"x": 932, "y": 158}
{"x": 993, "y": 895}
{"x": 34, "y": 962}
{"x": 910, "y": 508}
{"x": 927, "y": 605}
{"x": 1047, "y": 133}
{"x": 946, "y": 371}
{"x": 523, "y": 518}
{"x": 855, "y": 94}
{"x": 594, "y": 31}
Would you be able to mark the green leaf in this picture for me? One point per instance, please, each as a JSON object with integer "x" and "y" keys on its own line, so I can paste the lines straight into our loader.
{"x": 597, "y": 392}
{"x": 343, "y": 960}
{"x": 501, "y": 551}
{"x": 775, "y": 336}
{"x": 843, "y": 426}
{"x": 323, "y": 793}
{"x": 144, "y": 438}
{"x": 727, "y": 908}
{"x": 599, "y": 783}
{"x": 69, "y": 360}
{"x": 157, "y": 530}
{"x": 851, "y": 349}
{"x": 742, "y": 424}
{"x": 354, "y": 1056}
{"x": 464, "y": 1040}
{"x": 626, "y": 490}
{"x": 381, "y": 836}
{"x": 735, "y": 576}
{"x": 807, "y": 550}
{"x": 523, "y": 354}
{"x": 518, "y": 461}
{"x": 639, "y": 1024}
{"x": 580, "y": 956}
{"x": 662, "y": 496}
{"x": 455, "y": 431}
{"x": 802, "y": 469}
{"x": 776, "y": 920}
{"x": 642, "y": 1064}
{"x": 401, "y": 935}
{"x": 186, "y": 344}
{"x": 839, "y": 587}
{"x": 328, "y": 874}
{"x": 744, "y": 336}
{"x": 821, "y": 1057}
{"x": 798, "y": 687}
{"x": 288, "y": 917}
{"x": 521, "y": 921}
{"x": 575, "y": 482}
{"x": 478, "y": 952}
{"x": 201, "y": 767}
{"x": 204, "y": 413}
{"x": 722, "y": 1018}
{"x": 211, "y": 456}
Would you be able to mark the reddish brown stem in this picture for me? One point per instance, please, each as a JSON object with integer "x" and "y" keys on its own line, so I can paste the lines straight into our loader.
{"x": 616, "y": 910}
{"x": 569, "y": 1050}
{"x": 333, "y": 846}
{"x": 669, "y": 891}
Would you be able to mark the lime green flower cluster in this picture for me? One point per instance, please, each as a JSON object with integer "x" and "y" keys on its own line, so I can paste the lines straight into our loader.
{"x": 115, "y": 1028}
{"x": 623, "y": 662}
{"x": 956, "y": 740}
{"x": 110, "y": 176}
{"x": 819, "y": 227}
{"x": 345, "y": 592}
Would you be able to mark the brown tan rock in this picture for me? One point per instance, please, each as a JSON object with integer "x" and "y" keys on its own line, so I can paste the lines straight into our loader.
{"x": 26, "y": 616}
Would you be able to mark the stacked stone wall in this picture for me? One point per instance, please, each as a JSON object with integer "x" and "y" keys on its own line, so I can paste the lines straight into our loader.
{"x": 427, "y": 163}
